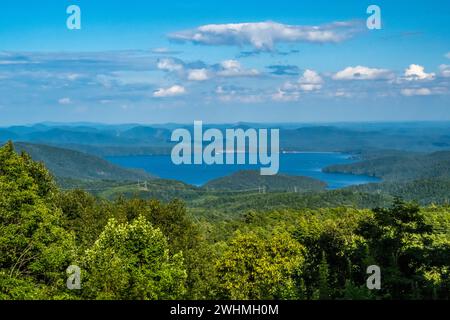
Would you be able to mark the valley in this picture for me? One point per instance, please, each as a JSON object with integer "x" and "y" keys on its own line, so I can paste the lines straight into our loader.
{"x": 318, "y": 176}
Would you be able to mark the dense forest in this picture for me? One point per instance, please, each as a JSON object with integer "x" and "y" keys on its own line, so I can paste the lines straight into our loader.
{"x": 401, "y": 167}
{"x": 142, "y": 248}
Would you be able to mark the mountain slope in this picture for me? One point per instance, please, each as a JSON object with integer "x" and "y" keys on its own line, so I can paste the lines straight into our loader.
{"x": 401, "y": 168}
{"x": 64, "y": 163}
{"x": 424, "y": 191}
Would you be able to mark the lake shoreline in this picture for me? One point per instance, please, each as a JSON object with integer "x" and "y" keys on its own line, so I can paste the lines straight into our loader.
{"x": 306, "y": 164}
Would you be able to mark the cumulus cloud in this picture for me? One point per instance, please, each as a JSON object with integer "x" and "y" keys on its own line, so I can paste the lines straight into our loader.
{"x": 173, "y": 91}
{"x": 169, "y": 65}
{"x": 233, "y": 68}
{"x": 362, "y": 73}
{"x": 65, "y": 101}
{"x": 445, "y": 70}
{"x": 231, "y": 64}
{"x": 416, "y": 92}
{"x": 198, "y": 75}
{"x": 310, "y": 81}
{"x": 416, "y": 72}
{"x": 263, "y": 36}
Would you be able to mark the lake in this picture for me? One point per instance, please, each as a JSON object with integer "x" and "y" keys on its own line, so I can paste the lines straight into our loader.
{"x": 309, "y": 164}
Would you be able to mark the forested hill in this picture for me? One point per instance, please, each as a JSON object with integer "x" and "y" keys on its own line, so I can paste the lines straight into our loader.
{"x": 249, "y": 179}
{"x": 64, "y": 163}
{"x": 398, "y": 168}
{"x": 424, "y": 191}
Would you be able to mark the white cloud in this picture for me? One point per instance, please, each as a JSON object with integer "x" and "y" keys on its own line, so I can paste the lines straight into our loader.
{"x": 233, "y": 68}
{"x": 169, "y": 65}
{"x": 220, "y": 90}
{"x": 160, "y": 50}
{"x": 362, "y": 73}
{"x": 65, "y": 101}
{"x": 231, "y": 64}
{"x": 265, "y": 35}
{"x": 124, "y": 78}
{"x": 233, "y": 97}
{"x": 173, "y": 91}
{"x": 286, "y": 96}
{"x": 198, "y": 75}
{"x": 447, "y": 55}
{"x": 310, "y": 87}
{"x": 416, "y": 92}
{"x": 311, "y": 76}
{"x": 13, "y": 58}
{"x": 341, "y": 93}
{"x": 199, "y": 71}
{"x": 73, "y": 76}
{"x": 12, "y": 62}
{"x": 445, "y": 70}
{"x": 310, "y": 81}
{"x": 253, "y": 98}
{"x": 164, "y": 51}
{"x": 417, "y": 72}
{"x": 241, "y": 95}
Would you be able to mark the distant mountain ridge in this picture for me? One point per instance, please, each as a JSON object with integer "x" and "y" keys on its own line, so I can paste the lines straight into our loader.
{"x": 130, "y": 139}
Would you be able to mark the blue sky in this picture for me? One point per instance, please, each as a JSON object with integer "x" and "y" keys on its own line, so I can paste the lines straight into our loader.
{"x": 224, "y": 61}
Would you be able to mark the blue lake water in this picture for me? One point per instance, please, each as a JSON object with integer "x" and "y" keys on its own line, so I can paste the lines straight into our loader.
{"x": 297, "y": 164}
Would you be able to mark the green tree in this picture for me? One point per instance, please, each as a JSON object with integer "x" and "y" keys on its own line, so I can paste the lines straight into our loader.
{"x": 324, "y": 279}
{"x": 85, "y": 215}
{"x": 334, "y": 253}
{"x": 182, "y": 235}
{"x": 399, "y": 243}
{"x": 256, "y": 268}
{"x": 132, "y": 261}
{"x": 35, "y": 249}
